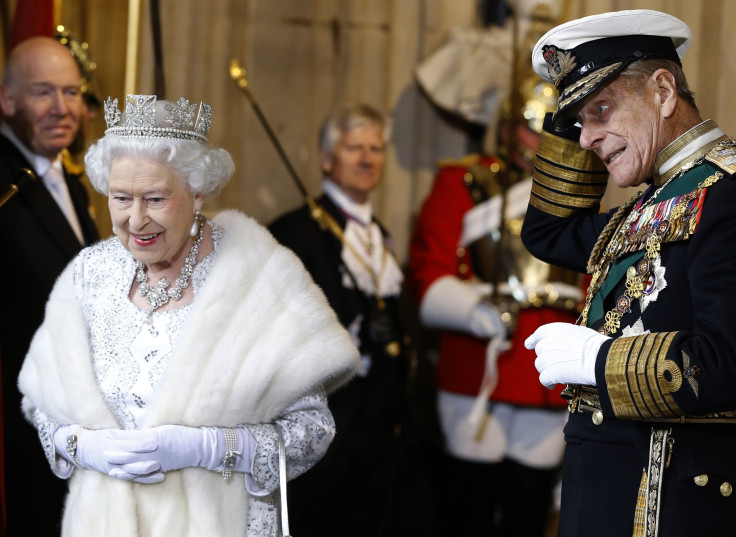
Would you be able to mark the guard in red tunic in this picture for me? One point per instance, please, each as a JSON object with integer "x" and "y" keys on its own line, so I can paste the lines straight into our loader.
{"x": 478, "y": 285}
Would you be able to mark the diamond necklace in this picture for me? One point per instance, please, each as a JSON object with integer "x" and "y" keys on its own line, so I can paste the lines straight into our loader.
{"x": 161, "y": 294}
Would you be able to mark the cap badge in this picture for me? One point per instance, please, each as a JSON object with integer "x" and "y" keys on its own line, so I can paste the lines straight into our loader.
{"x": 559, "y": 62}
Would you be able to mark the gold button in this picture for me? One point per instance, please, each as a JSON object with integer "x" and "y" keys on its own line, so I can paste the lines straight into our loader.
{"x": 701, "y": 480}
{"x": 726, "y": 489}
{"x": 392, "y": 349}
{"x": 460, "y": 251}
{"x": 597, "y": 417}
{"x": 462, "y": 268}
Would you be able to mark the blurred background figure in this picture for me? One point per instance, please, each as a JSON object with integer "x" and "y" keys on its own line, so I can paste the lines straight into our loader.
{"x": 477, "y": 284}
{"x": 41, "y": 229}
{"x": 349, "y": 254}
{"x": 91, "y": 98}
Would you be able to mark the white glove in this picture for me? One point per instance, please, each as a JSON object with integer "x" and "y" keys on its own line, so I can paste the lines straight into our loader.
{"x": 452, "y": 304}
{"x": 566, "y": 353}
{"x": 485, "y": 322}
{"x": 179, "y": 446}
{"x": 103, "y": 451}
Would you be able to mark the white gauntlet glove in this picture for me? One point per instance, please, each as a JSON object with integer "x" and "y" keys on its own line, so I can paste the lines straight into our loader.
{"x": 566, "y": 353}
{"x": 452, "y": 304}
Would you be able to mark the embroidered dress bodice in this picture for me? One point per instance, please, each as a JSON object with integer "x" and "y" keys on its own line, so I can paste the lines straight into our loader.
{"x": 131, "y": 347}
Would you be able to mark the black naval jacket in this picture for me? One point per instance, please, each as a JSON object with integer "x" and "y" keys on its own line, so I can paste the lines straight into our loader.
{"x": 666, "y": 382}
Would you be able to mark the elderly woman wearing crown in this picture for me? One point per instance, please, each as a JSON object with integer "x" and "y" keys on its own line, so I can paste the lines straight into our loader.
{"x": 175, "y": 357}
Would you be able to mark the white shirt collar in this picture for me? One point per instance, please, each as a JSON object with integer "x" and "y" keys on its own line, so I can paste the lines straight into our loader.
{"x": 363, "y": 213}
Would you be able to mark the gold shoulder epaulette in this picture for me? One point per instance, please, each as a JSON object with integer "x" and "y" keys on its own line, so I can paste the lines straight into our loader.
{"x": 724, "y": 156}
{"x": 464, "y": 162}
{"x": 69, "y": 164}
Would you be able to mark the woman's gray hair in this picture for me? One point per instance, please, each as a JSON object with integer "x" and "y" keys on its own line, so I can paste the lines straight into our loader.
{"x": 345, "y": 119}
{"x": 204, "y": 169}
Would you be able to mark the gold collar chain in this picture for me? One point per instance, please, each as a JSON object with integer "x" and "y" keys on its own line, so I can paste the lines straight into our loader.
{"x": 326, "y": 221}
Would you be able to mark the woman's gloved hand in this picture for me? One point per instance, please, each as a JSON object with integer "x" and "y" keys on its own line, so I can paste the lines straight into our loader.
{"x": 566, "y": 353}
{"x": 145, "y": 455}
{"x": 178, "y": 446}
{"x": 103, "y": 450}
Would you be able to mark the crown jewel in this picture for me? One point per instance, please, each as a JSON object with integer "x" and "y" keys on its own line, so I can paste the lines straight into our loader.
{"x": 146, "y": 116}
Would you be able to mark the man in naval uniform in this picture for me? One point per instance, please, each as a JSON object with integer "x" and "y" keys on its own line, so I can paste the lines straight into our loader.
{"x": 651, "y": 365}
{"x": 349, "y": 255}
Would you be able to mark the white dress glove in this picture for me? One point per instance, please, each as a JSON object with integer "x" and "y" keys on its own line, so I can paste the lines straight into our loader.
{"x": 103, "y": 451}
{"x": 179, "y": 446}
{"x": 143, "y": 455}
{"x": 452, "y": 304}
{"x": 566, "y": 353}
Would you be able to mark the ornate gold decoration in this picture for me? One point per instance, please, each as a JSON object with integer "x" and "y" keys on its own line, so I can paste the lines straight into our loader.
{"x": 566, "y": 177}
{"x": 690, "y": 371}
{"x": 724, "y": 155}
{"x": 635, "y": 375}
{"x": 673, "y": 384}
{"x": 560, "y": 63}
{"x": 580, "y": 88}
{"x": 676, "y": 146}
{"x": 680, "y": 225}
{"x": 640, "y": 511}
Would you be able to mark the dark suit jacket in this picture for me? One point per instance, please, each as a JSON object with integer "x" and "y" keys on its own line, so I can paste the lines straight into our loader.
{"x": 353, "y": 480}
{"x": 37, "y": 243}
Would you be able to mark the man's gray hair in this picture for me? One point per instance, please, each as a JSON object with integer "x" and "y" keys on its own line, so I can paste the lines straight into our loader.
{"x": 639, "y": 72}
{"x": 345, "y": 119}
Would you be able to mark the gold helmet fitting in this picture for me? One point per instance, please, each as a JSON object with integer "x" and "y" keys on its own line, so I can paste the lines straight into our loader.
{"x": 80, "y": 52}
{"x": 531, "y": 96}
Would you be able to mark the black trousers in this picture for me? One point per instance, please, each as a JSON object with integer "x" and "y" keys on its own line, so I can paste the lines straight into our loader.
{"x": 504, "y": 499}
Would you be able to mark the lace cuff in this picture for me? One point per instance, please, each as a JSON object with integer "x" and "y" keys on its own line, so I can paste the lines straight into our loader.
{"x": 46, "y": 428}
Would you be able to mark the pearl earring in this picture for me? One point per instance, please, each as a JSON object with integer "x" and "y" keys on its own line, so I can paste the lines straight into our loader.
{"x": 195, "y": 225}
{"x": 114, "y": 231}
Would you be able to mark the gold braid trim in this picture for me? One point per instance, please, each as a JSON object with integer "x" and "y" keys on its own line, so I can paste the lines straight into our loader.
{"x": 326, "y": 222}
{"x": 549, "y": 208}
{"x": 559, "y": 150}
{"x": 641, "y": 379}
{"x": 609, "y": 230}
{"x": 566, "y": 177}
{"x": 570, "y": 181}
{"x": 572, "y": 92}
{"x": 640, "y": 511}
{"x": 571, "y": 201}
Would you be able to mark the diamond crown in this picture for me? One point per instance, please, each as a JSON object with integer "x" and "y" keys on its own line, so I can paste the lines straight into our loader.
{"x": 146, "y": 116}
